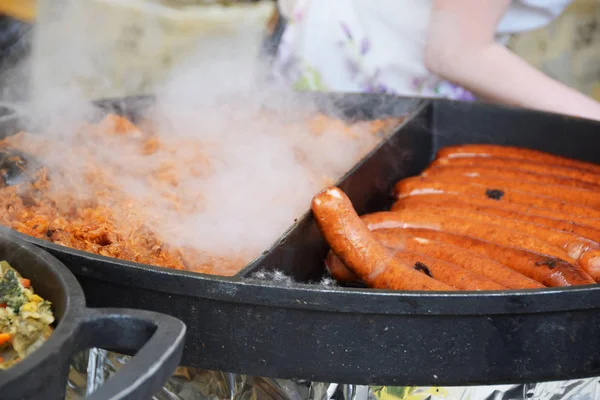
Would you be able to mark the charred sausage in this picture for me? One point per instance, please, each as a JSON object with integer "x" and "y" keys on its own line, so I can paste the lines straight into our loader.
{"x": 443, "y": 271}
{"x": 577, "y": 247}
{"x": 503, "y": 206}
{"x": 550, "y": 271}
{"x": 338, "y": 270}
{"x": 462, "y": 257}
{"x": 564, "y": 225}
{"x": 449, "y": 273}
{"x": 522, "y": 165}
{"x": 464, "y": 226}
{"x": 352, "y": 242}
{"x": 508, "y": 174}
{"x": 517, "y": 153}
{"x": 502, "y": 194}
{"x": 584, "y": 197}
{"x": 473, "y": 261}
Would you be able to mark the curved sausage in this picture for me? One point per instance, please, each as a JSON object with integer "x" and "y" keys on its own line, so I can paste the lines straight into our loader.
{"x": 462, "y": 257}
{"x": 573, "y": 244}
{"x": 421, "y": 186}
{"x": 564, "y": 225}
{"x": 457, "y": 203}
{"x": 338, "y": 270}
{"x": 523, "y": 165}
{"x": 518, "y": 153}
{"x": 550, "y": 271}
{"x": 464, "y": 226}
{"x": 473, "y": 261}
{"x": 504, "y": 206}
{"x": 452, "y": 274}
{"x": 586, "y": 252}
{"x": 449, "y": 273}
{"x": 585, "y": 197}
{"x": 352, "y": 242}
{"x": 508, "y": 174}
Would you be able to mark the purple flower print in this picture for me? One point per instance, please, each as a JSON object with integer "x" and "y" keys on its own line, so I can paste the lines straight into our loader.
{"x": 371, "y": 85}
{"x": 352, "y": 67}
{"x": 346, "y": 30}
{"x": 418, "y": 83}
{"x": 298, "y": 15}
{"x": 365, "y": 45}
{"x": 374, "y": 87}
{"x": 451, "y": 91}
{"x": 444, "y": 89}
{"x": 464, "y": 95}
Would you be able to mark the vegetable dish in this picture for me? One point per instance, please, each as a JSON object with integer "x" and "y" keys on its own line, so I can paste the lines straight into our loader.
{"x": 25, "y": 318}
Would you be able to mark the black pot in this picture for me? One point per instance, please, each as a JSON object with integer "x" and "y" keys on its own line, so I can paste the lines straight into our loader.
{"x": 156, "y": 339}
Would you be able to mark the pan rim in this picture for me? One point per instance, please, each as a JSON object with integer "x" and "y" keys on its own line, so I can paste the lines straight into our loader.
{"x": 313, "y": 296}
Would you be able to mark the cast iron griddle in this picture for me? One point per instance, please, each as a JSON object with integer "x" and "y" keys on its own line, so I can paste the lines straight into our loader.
{"x": 364, "y": 336}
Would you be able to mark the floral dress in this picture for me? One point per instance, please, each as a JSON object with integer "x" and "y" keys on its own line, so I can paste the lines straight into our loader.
{"x": 376, "y": 46}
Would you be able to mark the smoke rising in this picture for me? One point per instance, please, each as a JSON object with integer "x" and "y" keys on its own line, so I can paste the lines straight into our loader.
{"x": 223, "y": 162}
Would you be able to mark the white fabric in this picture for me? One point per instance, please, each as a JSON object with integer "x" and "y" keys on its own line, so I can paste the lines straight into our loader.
{"x": 361, "y": 45}
{"x": 526, "y": 15}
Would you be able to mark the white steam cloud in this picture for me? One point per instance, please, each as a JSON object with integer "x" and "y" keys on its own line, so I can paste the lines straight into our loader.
{"x": 247, "y": 161}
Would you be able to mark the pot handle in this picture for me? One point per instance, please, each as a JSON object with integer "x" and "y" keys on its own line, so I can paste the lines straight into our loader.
{"x": 156, "y": 340}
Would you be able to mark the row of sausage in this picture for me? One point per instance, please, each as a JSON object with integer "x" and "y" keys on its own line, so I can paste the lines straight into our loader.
{"x": 479, "y": 217}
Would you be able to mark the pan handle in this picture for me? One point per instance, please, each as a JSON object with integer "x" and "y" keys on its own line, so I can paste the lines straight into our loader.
{"x": 156, "y": 340}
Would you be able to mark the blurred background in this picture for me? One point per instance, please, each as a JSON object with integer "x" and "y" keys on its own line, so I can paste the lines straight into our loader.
{"x": 113, "y": 48}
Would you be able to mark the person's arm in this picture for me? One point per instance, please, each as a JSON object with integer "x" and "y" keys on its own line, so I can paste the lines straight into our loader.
{"x": 461, "y": 48}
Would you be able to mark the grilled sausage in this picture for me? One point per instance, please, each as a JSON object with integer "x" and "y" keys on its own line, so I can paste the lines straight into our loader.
{"x": 457, "y": 204}
{"x": 476, "y": 262}
{"x": 564, "y": 193}
{"x": 574, "y": 245}
{"x": 443, "y": 271}
{"x": 421, "y": 186}
{"x": 464, "y": 226}
{"x": 338, "y": 270}
{"x": 504, "y": 206}
{"x": 464, "y": 258}
{"x": 550, "y": 271}
{"x": 517, "y": 153}
{"x": 352, "y": 242}
{"x": 508, "y": 174}
{"x": 522, "y": 165}
{"x": 449, "y": 273}
{"x": 586, "y": 252}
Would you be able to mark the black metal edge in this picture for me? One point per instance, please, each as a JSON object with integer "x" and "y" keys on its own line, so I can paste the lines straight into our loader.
{"x": 158, "y": 337}
{"x": 307, "y": 296}
{"x": 334, "y": 299}
{"x": 547, "y": 124}
{"x": 155, "y": 339}
{"x": 339, "y": 103}
{"x": 368, "y": 190}
{"x": 342, "y": 105}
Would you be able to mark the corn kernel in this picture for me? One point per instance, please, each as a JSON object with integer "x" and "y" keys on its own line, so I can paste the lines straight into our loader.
{"x": 31, "y": 307}
{"x": 35, "y": 298}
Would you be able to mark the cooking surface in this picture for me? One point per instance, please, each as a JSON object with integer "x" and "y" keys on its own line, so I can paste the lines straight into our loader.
{"x": 169, "y": 199}
{"x": 456, "y": 339}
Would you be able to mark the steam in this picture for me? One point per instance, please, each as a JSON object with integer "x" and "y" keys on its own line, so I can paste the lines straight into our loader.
{"x": 238, "y": 158}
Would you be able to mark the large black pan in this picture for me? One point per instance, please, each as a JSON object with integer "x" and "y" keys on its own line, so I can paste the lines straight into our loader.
{"x": 368, "y": 336}
{"x": 43, "y": 374}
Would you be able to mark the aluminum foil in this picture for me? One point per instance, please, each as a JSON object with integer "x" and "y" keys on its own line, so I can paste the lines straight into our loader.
{"x": 93, "y": 368}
